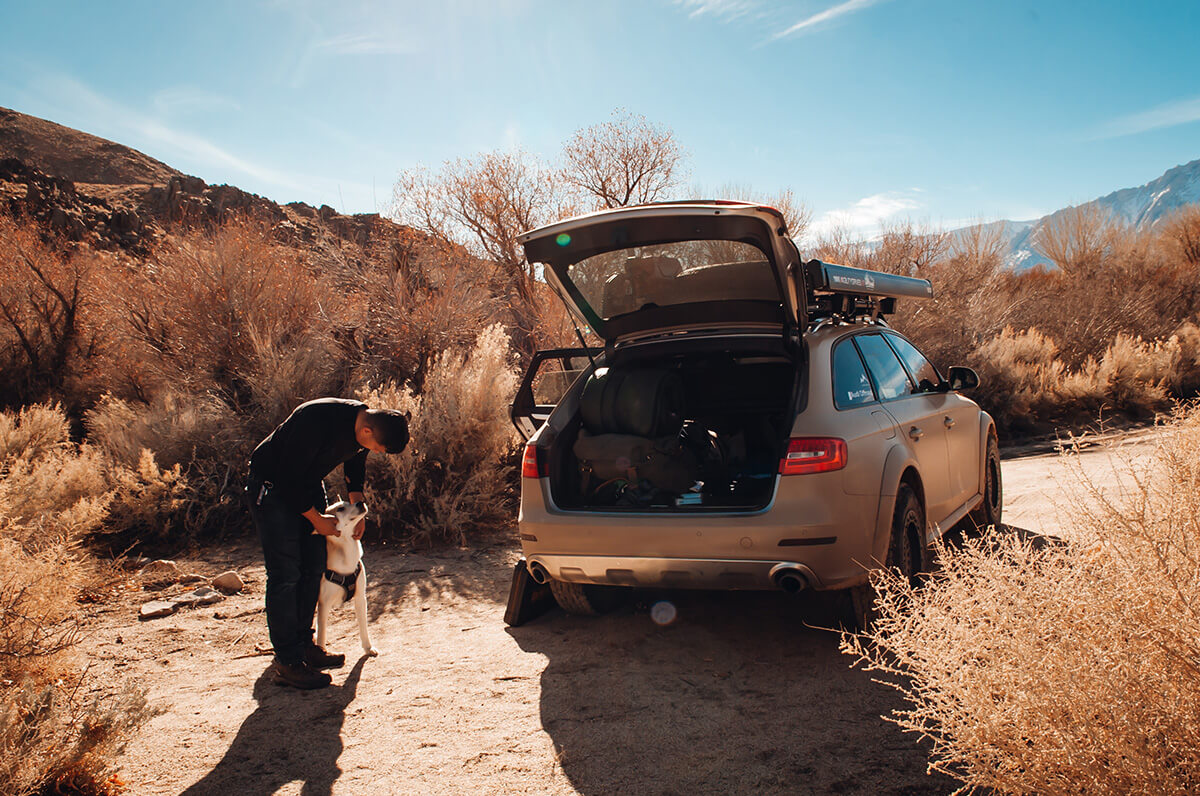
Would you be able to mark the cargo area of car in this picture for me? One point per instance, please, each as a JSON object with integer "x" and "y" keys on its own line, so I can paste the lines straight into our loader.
{"x": 678, "y": 430}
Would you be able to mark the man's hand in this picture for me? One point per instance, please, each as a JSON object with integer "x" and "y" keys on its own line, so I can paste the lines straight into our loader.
{"x": 324, "y": 524}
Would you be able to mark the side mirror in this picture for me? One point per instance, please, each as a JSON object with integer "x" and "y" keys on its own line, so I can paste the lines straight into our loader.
{"x": 961, "y": 378}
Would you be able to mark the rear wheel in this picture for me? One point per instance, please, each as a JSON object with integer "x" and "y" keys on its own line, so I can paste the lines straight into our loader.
{"x": 904, "y": 553}
{"x": 988, "y": 511}
{"x": 586, "y": 599}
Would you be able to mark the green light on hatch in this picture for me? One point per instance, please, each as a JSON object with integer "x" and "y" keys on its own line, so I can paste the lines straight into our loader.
{"x": 563, "y": 239}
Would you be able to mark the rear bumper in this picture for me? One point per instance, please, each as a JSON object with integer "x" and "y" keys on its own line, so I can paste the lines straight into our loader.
{"x": 672, "y": 573}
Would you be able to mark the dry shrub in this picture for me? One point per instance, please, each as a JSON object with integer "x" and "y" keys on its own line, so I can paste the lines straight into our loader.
{"x": 1071, "y": 668}
{"x": 450, "y": 481}
{"x": 45, "y": 337}
{"x": 218, "y": 313}
{"x": 32, "y": 431}
{"x": 1132, "y": 372}
{"x": 53, "y": 735}
{"x": 1181, "y": 234}
{"x": 149, "y": 504}
{"x": 176, "y": 427}
{"x": 1021, "y": 377}
{"x": 58, "y": 732}
{"x": 52, "y": 492}
{"x": 408, "y": 310}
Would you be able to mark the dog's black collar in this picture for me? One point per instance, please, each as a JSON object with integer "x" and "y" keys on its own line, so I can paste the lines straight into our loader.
{"x": 347, "y": 582}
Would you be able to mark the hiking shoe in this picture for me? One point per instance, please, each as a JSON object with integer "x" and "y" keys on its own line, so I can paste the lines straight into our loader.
{"x": 318, "y": 658}
{"x": 299, "y": 675}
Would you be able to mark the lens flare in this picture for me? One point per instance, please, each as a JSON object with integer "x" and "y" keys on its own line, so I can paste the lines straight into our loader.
{"x": 563, "y": 239}
{"x": 663, "y": 612}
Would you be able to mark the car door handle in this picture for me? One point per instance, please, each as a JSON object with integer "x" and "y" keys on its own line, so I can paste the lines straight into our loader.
{"x": 948, "y": 422}
{"x": 915, "y": 433}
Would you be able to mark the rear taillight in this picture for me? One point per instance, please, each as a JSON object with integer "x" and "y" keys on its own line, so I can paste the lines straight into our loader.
{"x": 813, "y": 455}
{"x": 534, "y": 463}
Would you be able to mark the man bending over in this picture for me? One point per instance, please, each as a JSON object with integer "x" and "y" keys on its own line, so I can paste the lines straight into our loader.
{"x": 286, "y": 493}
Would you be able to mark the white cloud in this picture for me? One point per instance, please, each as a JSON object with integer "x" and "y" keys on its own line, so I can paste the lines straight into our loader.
{"x": 726, "y": 9}
{"x": 184, "y": 100}
{"x": 1182, "y": 111}
{"x": 366, "y": 44}
{"x": 129, "y": 122}
{"x": 864, "y": 217}
{"x": 806, "y": 24}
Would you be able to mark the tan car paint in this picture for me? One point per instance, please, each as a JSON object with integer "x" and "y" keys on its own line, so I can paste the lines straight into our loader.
{"x": 847, "y": 512}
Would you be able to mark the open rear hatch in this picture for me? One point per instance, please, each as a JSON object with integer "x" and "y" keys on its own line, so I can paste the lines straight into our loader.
{"x": 673, "y": 267}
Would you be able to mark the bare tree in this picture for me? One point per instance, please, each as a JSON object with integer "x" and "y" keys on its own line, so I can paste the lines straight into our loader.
{"x": 1080, "y": 240}
{"x": 625, "y": 161}
{"x": 907, "y": 248}
{"x": 795, "y": 213}
{"x": 42, "y": 311}
{"x": 1182, "y": 233}
{"x": 483, "y": 204}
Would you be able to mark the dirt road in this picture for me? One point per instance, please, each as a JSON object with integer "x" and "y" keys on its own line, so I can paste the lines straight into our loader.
{"x": 740, "y": 694}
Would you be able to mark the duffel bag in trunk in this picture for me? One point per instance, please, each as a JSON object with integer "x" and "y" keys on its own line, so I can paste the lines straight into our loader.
{"x": 663, "y": 462}
{"x": 643, "y": 402}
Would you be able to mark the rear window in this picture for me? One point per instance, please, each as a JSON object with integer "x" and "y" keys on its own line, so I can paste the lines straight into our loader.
{"x": 686, "y": 272}
{"x": 851, "y": 387}
{"x": 890, "y": 378}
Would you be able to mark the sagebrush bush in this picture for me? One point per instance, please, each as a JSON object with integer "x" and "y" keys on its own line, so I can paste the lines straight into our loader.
{"x": 1071, "y": 668}
{"x": 450, "y": 481}
{"x": 178, "y": 428}
{"x": 54, "y": 735}
{"x": 52, "y": 491}
{"x": 59, "y": 733}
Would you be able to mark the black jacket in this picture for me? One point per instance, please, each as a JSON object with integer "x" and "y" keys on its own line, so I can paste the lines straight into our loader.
{"x": 302, "y": 450}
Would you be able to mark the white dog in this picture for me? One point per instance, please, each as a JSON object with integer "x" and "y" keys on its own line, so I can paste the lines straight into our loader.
{"x": 344, "y": 573}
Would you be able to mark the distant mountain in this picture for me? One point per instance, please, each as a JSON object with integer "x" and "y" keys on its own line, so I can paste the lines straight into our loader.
{"x": 1143, "y": 207}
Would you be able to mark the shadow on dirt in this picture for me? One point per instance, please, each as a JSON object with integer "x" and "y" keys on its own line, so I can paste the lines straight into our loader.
{"x": 737, "y": 695}
{"x": 293, "y": 736}
{"x": 394, "y": 577}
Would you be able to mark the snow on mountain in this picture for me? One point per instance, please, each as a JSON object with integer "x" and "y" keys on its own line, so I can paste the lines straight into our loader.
{"x": 1143, "y": 207}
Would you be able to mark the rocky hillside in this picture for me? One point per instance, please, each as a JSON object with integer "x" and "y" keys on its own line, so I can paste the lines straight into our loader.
{"x": 88, "y": 189}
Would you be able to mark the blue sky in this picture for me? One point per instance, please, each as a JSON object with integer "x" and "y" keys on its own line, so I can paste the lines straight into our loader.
{"x": 869, "y": 110}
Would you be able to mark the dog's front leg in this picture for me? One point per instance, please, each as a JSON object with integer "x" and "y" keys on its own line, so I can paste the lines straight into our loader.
{"x": 323, "y": 612}
{"x": 360, "y": 609}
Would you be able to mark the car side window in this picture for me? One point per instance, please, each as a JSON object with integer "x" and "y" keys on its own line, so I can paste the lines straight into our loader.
{"x": 890, "y": 379}
{"x": 851, "y": 387}
{"x": 920, "y": 368}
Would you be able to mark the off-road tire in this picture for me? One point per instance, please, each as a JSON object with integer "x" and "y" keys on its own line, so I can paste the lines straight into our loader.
{"x": 904, "y": 554}
{"x": 586, "y": 599}
{"x": 989, "y": 510}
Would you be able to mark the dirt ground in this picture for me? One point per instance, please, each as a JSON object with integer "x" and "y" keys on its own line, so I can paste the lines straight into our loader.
{"x": 742, "y": 693}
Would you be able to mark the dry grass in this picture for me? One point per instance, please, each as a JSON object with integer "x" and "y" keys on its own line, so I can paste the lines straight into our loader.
{"x": 53, "y": 736}
{"x": 1072, "y": 668}
{"x": 450, "y": 481}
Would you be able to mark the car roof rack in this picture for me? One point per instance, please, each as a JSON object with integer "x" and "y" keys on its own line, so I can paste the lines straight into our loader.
{"x": 845, "y": 292}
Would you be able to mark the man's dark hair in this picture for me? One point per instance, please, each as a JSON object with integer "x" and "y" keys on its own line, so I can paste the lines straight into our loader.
{"x": 389, "y": 427}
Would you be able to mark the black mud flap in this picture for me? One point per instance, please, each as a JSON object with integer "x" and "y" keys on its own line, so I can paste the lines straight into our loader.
{"x": 526, "y": 599}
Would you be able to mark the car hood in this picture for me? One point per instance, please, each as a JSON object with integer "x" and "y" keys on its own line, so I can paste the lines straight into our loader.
{"x": 674, "y": 266}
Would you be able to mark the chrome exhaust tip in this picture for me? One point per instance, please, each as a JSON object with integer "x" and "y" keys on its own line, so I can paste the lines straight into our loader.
{"x": 791, "y": 581}
{"x": 539, "y": 573}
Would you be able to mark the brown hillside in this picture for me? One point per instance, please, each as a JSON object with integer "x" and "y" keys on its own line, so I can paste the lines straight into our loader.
{"x": 74, "y": 155}
{"x": 82, "y": 188}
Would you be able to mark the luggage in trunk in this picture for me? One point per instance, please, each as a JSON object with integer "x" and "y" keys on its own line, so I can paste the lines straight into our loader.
{"x": 643, "y": 402}
{"x": 664, "y": 462}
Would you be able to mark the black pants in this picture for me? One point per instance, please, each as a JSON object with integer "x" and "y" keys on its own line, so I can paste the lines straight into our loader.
{"x": 295, "y": 559}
